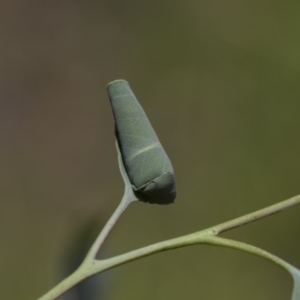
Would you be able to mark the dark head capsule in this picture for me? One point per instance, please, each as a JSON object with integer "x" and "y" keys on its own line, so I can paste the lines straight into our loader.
{"x": 147, "y": 165}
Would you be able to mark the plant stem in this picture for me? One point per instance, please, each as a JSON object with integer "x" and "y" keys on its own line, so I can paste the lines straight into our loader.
{"x": 76, "y": 277}
{"x": 257, "y": 215}
{"x": 201, "y": 237}
{"x": 224, "y": 242}
{"x": 107, "y": 228}
{"x": 91, "y": 266}
{"x": 127, "y": 199}
{"x": 183, "y": 241}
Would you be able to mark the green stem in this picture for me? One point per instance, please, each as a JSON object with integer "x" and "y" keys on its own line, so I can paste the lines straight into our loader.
{"x": 107, "y": 228}
{"x": 183, "y": 241}
{"x": 65, "y": 285}
{"x": 224, "y": 242}
{"x": 257, "y": 215}
{"x": 208, "y": 236}
{"x": 201, "y": 237}
{"x": 127, "y": 199}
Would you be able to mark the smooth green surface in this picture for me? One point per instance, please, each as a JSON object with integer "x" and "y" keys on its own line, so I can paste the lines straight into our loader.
{"x": 146, "y": 162}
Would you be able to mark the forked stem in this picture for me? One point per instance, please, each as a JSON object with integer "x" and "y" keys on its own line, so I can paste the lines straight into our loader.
{"x": 91, "y": 266}
{"x": 127, "y": 199}
{"x": 106, "y": 229}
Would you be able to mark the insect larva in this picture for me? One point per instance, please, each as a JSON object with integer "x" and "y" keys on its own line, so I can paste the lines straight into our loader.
{"x": 147, "y": 165}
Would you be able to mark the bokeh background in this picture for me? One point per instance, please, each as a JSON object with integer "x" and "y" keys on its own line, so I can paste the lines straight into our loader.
{"x": 219, "y": 81}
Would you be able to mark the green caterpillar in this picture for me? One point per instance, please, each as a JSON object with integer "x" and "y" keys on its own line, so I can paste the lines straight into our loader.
{"x": 147, "y": 165}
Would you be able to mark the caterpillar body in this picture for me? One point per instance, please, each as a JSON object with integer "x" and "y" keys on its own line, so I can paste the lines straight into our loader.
{"x": 148, "y": 167}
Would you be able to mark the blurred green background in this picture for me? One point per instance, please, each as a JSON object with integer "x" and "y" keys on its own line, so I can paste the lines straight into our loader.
{"x": 219, "y": 81}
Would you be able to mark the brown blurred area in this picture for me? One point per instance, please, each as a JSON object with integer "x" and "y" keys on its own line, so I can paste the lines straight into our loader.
{"x": 219, "y": 81}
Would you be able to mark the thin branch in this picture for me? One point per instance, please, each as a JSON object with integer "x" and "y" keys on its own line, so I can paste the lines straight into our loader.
{"x": 224, "y": 242}
{"x": 208, "y": 236}
{"x": 127, "y": 199}
{"x": 65, "y": 285}
{"x": 107, "y": 228}
{"x": 183, "y": 241}
{"x": 255, "y": 216}
{"x": 201, "y": 237}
